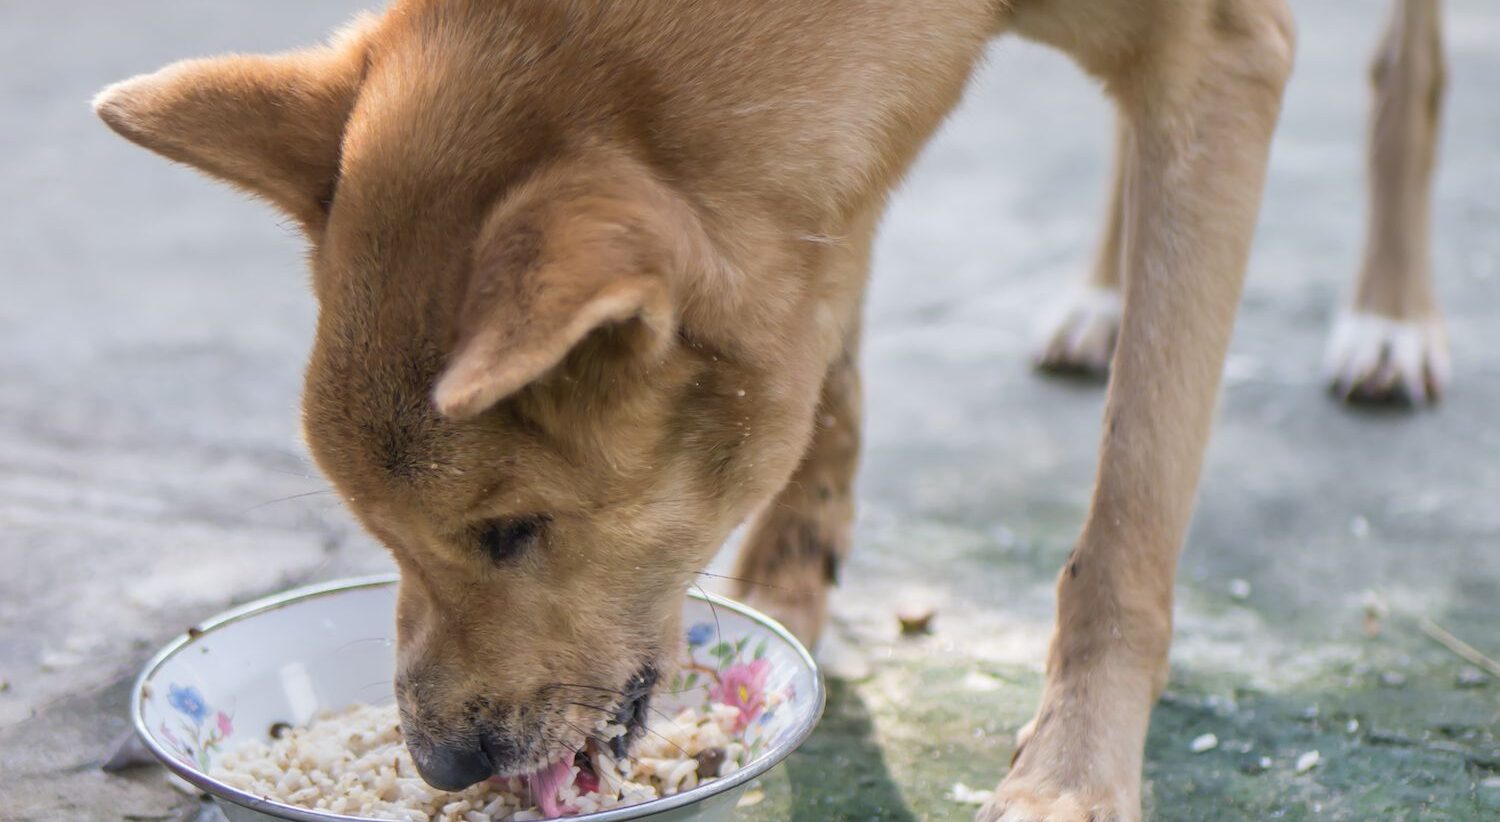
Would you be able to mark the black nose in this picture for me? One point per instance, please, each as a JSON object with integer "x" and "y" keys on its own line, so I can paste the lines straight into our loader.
{"x": 453, "y": 768}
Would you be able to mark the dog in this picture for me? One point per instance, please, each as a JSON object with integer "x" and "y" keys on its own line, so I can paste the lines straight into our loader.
{"x": 1389, "y": 345}
{"x": 589, "y": 278}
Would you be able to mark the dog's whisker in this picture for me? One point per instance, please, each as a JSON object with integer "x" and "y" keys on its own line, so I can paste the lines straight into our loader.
{"x": 303, "y": 474}
{"x": 354, "y": 642}
{"x": 659, "y": 712}
{"x": 663, "y": 737}
{"x": 287, "y": 499}
{"x": 609, "y": 711}
{"x": 601, "y": 688}
{"x": 577, "y": 730}
{"x": 596, "y": 740}
{"x": 718, "y": 629}
{"x": 588, "y": 687}
{"x": 741, "y": 579}
{"x": 600, "y": 708}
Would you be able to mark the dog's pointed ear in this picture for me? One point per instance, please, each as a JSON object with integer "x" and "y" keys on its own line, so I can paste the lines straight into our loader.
{"x": 271, "y": 125}
{"x": 562, "y": 258}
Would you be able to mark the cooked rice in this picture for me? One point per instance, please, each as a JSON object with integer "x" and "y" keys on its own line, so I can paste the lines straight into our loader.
{"x": 354, "y": 762}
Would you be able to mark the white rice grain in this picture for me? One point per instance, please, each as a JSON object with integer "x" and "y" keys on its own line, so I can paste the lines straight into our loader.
{"x": 355, "y": 762}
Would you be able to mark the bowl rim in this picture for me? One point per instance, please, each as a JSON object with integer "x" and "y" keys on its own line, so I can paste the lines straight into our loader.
{"x": 219, "y": 790}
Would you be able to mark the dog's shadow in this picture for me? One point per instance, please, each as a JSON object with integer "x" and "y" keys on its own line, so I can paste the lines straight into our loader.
{"x": 840, "y": 772}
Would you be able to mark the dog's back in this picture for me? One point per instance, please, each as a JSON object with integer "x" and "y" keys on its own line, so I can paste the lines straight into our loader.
{"x": 815, "y": 105}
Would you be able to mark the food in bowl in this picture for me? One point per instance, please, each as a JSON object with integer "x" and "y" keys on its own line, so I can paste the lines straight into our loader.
{"x": 234, "y": 682}
{"x": 355, "y": 762}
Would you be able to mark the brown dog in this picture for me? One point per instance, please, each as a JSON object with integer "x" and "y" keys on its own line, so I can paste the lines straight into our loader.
{"x": 589, "y": 278}
{"x": 1389, "y": 345}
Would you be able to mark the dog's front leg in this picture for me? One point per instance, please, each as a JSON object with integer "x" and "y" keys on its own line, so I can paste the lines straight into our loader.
{"x": 797, "y": 543}
{"x": 1201, "y": 102}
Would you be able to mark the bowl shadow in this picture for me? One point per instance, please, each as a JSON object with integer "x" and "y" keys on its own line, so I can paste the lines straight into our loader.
{"x": 840, "y": 772}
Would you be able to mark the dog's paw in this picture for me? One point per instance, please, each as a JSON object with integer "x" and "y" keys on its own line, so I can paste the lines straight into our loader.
{"x": 1374, "y": 359}
{"x": 1080, "y": 337}
{"x": 1035, "y": 794}
{"x": 1021, "y": 805}
{"x": 1079, "y": 758}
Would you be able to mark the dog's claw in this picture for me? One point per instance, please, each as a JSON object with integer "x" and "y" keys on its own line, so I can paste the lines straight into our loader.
{"x": 1377, "y": 360}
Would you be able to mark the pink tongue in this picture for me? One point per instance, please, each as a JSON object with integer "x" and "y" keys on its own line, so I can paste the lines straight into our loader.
{"x": 548, "y": 781}
{"x": 587, "y": 782}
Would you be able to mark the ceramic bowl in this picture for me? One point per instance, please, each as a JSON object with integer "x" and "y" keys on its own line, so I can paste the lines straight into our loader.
{"x": 287, "y": 658}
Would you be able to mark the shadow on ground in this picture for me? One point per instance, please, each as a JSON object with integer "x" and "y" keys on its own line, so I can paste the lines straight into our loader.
{"x": 841, "y": 772}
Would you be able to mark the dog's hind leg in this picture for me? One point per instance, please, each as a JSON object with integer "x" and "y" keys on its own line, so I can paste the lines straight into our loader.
{"x": 798, "y": 542}
{"x": 1389, "y": 345}
{"x": 1079, "y": 338}
{"x": 1200, "y": 84}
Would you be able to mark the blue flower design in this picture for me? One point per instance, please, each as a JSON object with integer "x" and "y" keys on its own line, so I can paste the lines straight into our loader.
{"x": 699, "y": 634}
{"x": 188, "y": 702}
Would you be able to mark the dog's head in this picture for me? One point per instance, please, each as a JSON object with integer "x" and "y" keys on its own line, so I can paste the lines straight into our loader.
{"x": 502, "y": 386}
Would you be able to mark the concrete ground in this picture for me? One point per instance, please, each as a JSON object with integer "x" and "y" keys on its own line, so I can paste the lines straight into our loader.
{"x": 153, "y": 328}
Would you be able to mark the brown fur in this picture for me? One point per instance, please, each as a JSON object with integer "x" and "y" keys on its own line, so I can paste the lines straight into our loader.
{"x": 598, "y": 267}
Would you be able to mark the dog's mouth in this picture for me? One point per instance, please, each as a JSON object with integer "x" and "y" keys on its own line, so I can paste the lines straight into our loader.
{"x": 594, "y": 764}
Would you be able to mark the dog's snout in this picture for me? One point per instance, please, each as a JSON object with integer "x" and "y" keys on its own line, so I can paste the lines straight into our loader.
{"x": 453, "y": 767}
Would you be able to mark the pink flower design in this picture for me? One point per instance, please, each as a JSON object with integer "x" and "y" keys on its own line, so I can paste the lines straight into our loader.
{"x": 744, "y": 686}
{"x": 226, "y": 727}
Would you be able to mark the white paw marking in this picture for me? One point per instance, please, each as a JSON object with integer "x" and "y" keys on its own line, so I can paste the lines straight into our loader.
{"x": 1374, "y": 358}
{"x": 1081, "y": 336}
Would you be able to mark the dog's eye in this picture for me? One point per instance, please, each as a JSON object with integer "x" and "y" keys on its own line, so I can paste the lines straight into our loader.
{"x": 506, "y": 539}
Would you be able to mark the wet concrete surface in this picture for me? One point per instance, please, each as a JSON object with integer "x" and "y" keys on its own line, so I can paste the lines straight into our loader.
{"x": 154, "y": 325}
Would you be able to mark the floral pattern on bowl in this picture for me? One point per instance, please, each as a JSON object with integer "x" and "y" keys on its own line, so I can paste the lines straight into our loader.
{"x": 735, "y": 673}
{"x": 201, "y": 730}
